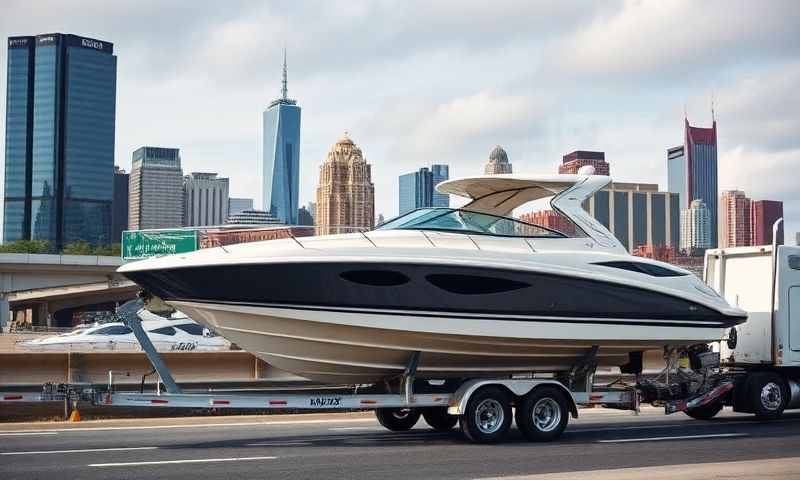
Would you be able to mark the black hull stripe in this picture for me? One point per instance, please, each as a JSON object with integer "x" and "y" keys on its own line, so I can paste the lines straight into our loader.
{"x": 333, "y": 309}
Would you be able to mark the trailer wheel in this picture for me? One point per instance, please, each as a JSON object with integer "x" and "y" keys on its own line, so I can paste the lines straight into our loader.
{"x": 706, "y": 412}
{"x": 768, "y": 395}
{"x": 543, "y": 414}
{"x": 397, "y": 419}
{"x": 487, "y": 418}
{"x": 439, "y": 419}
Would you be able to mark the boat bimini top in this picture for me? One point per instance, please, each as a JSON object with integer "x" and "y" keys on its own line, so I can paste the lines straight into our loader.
{"x": 500, "y": 194}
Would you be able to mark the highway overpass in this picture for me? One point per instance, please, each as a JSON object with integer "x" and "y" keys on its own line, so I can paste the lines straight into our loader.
{"x": 43, "y": 284}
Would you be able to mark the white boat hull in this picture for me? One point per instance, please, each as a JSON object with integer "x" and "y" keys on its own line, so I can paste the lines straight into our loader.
{"x": 366, "y": 347}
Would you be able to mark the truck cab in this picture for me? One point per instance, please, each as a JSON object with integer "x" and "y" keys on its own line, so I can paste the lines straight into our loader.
{"x": 764, "y": 352}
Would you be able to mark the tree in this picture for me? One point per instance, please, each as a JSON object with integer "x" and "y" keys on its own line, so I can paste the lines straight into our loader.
{"x": 78, "y": 248}
{"x": 26, "y": 246}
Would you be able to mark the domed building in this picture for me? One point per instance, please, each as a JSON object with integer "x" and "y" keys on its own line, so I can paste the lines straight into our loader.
{"x": 498, "y": 162}
{"x": 345, "y": 193}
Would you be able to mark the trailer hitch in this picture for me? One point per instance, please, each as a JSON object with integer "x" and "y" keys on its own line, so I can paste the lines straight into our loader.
{"x": 698, "y": 400}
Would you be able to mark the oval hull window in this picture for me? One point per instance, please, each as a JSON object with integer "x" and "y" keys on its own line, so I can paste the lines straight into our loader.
{"x": 474, "y": 284}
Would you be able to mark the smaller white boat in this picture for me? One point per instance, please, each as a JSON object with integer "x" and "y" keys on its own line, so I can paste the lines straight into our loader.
{"x": 176, "y": 333}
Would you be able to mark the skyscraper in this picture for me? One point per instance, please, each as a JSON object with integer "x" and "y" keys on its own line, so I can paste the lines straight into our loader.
{"x": 637, "y": 214}
{"x": 695, "y": 227}
{"x": 237, "y": 205}
{"x": 439, "y": 173}
{"x": 692, "y": 170}
{"x": 418, "y": 189}
{"x": 734, "y": 219}
{"x": 205, "y": 199}
{"x": 572, "y": 162}
{"x": 498, "y": 162}
{"x": 281, "y": 156}
{"x": 763, "y": 214}
{"x": 156, "y": 189}
{"x": 119, "y": 212}
{"x": 60, "y": 121}
{"x": 345, "y": 193}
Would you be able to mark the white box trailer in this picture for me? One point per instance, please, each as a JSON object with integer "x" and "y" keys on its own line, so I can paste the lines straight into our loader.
{"x": 762, "y": 354}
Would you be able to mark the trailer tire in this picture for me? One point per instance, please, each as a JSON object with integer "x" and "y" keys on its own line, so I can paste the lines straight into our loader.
{"x": 487, "y": 417}
{"x": 439, "y": 419}
{"x": 543, "y": 414}
{"x": 397, "y": 419}
{"x": 706, "y": 412}
{"x": 768, "y": 395}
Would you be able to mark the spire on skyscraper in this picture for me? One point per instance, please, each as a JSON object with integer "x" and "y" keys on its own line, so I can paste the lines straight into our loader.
{"x": 284, "y": 88}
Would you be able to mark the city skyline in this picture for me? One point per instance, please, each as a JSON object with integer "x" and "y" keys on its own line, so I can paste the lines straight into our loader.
{"x": 206, "y": 97}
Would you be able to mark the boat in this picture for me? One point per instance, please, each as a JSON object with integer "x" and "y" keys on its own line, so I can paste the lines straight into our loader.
{"x": 473, "y": 290}
{"x": 176, "y": 332}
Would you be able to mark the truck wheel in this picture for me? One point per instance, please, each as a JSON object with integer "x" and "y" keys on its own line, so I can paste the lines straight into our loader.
{"x": 706, "y": 412}
{"x": 439, "y": 419}
{"x": 487, "y": 418}
{"x": 768, "y": 395}
{"x": 397, "y": 419}
{"x": 543, "y": 414}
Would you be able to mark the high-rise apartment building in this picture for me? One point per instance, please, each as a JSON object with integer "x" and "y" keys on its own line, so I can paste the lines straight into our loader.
{"x": 119, "y": 212}
{"x": 695, "y": 227}
{"x": 572, "y": 162}
{"x": 734, "y": 219}
{"x": 236, "y": 205}
{"x": 345, "y": 193}
{"x": 280, "y": 182}
{"x": 763, "y": 214}
{"x": 498, "y": 162}
{"x": 156, "y": 189}
{"x": 418, "y": 189}
{"x": 59, "y": 156}
{"x": 637, "y": 214}
{"x": 205, "y": 199}
{"x": 692, "y": 171}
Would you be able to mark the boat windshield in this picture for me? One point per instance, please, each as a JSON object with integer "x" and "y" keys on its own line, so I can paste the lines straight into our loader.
{"x": 465, "y": 221}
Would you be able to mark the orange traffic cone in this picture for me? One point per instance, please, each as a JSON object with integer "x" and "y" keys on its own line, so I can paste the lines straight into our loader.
{"x": 75, "y": 416}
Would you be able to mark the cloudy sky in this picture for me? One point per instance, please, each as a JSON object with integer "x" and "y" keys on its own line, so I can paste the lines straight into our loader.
{"x": 443, "y": 82}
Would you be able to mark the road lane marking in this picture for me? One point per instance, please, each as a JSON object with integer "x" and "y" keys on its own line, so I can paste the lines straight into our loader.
{"x": 683, "y": 437}
{"x": 341, "y": 429}
{"x": 278, "y": 444}
{"x": 82, "y": 450}
{"x": 199, "y": 425}
{"x": 175, "y": 462}
{"x": 26, "y": 433}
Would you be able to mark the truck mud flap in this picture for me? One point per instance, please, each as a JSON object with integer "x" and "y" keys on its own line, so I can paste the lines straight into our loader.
{"x": 700, "y": 400}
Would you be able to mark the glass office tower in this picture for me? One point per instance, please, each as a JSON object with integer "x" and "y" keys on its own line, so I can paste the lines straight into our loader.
{"x": 281, "y": 157}
{"x": 440, "y": 173}
{"x": 19, "y": 139}
{"x": 60, "y": 140}
{"x": 418, "y": 189}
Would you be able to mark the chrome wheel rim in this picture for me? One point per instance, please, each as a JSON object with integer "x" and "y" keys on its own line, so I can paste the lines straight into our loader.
{"x": 771, "y": 396}
{"x": 401, "y": 413}
{"x": 489, "y": 416}
{"x": 546, "y": 415}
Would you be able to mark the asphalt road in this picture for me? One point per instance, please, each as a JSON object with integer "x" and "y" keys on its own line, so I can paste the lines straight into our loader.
{"x": 355, "y": 446}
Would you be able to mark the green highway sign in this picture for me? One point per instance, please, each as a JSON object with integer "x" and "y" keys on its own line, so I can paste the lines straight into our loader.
{"x": 144, "y": 244}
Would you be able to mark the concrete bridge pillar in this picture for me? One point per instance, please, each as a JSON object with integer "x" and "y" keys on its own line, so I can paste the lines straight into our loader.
{"x": 5, "y": 313}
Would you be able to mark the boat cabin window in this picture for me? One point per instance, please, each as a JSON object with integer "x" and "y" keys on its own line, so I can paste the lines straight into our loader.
{"x": 646, "y": 268}
{"x": 164, "y": 331}
{"x": 114, "y": 330}
{"x": 191, "y": 328}
{"x": 466, "y": 221}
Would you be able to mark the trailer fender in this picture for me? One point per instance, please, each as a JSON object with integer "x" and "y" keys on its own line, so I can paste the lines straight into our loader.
{"x": 517, "y": 387}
